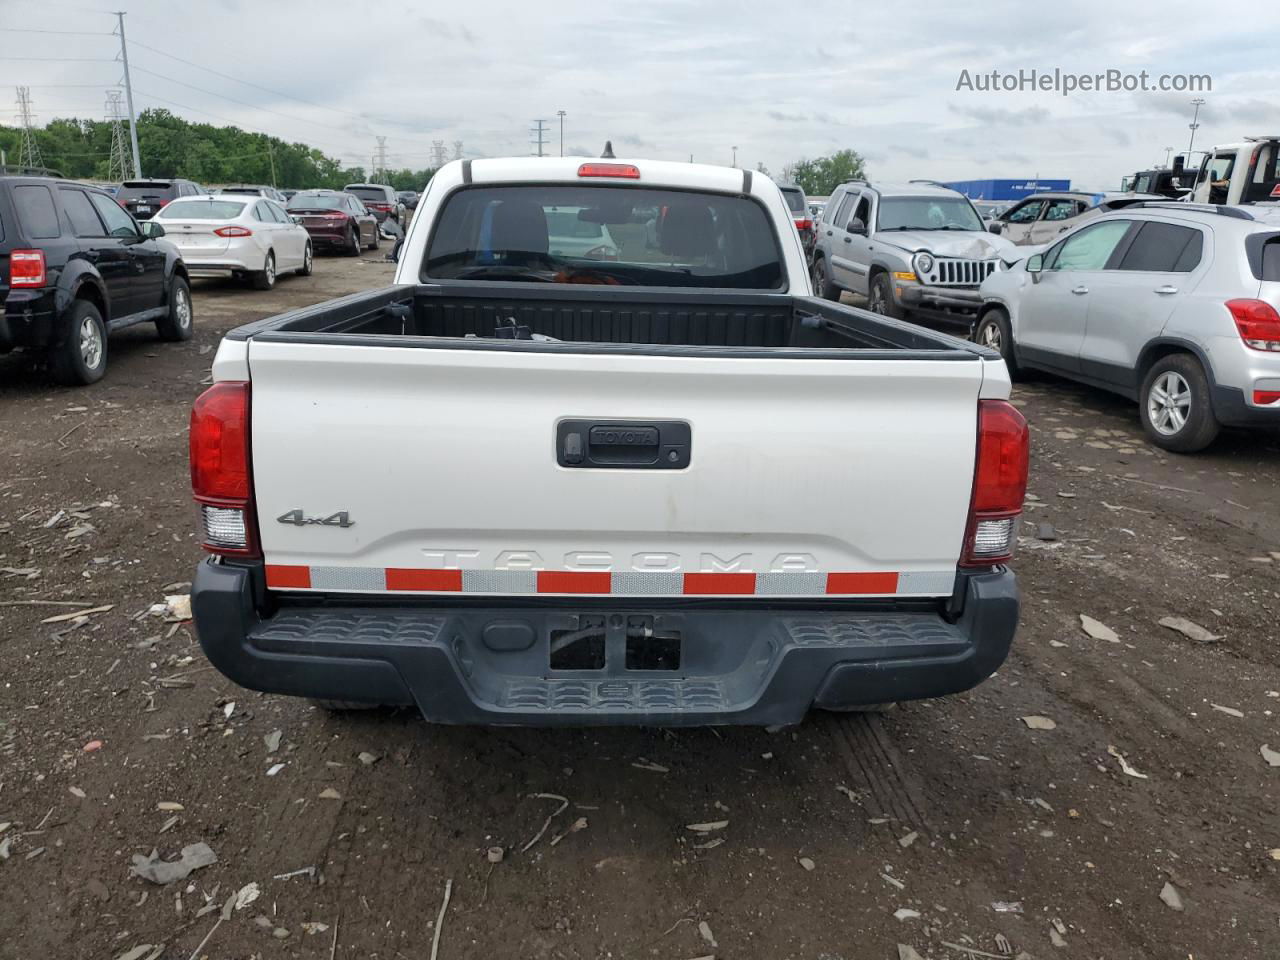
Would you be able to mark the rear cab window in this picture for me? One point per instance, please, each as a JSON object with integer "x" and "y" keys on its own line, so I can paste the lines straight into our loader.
{"x": 613, "y": 236}
{"x": 36, "y": 211}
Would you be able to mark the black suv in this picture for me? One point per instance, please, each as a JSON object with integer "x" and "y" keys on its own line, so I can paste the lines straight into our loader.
{"x": 144, "y": 198}
{"x": 74, "y": 266}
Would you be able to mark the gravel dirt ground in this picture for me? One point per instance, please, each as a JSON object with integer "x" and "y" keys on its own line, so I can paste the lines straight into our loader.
{"x": 1000, "y": 839}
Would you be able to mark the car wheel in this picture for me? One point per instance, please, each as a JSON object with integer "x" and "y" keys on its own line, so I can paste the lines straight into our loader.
{"x": 308, "y": 262}
{"x": 265, "y": 278}
{"x": 995, "y": 332}
{"x": 822, "y": 286}
{"x": 177, "y": 323}
{"x": 81, "y": 358}
{"x": 354, "y": 248}
{"x": 377, "y": 239}
{"x": 880, "y": 299}
{"x": 1175, "y": 407}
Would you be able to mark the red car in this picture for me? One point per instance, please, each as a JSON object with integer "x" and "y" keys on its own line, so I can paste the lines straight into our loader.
{"x": 336, "y": 221}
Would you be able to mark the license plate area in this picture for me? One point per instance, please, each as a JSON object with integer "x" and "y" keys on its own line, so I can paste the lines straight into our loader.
{"x": 619, "y": 642}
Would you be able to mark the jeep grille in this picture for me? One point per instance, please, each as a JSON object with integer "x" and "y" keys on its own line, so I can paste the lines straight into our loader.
{"x": 959, "y": 273}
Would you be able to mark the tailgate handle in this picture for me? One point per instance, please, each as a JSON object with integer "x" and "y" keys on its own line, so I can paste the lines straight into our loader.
{"x": 623, "y": 444}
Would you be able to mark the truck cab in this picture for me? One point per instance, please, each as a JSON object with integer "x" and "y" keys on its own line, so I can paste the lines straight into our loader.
{"x": 1240, "y": 173}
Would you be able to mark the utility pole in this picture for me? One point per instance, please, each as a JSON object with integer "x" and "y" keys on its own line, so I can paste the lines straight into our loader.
{"x": 28, "y": 149}
{"x": 541, "y": 140}
{"x": 271, "y": 152}
{"x": 118, "y": 164}
{"x": 560, "y": 114}
{"x": 437, "y": 154}
{"x": 735, "y": 156}
{"x": 128, "y": 95}
{"x": 457, "y": 149}
{"x": 380, "y": 162}
{"x": 1198, "y": 102}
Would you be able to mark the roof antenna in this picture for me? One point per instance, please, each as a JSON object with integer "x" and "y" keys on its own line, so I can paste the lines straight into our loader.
{"x": 608, "y": 151}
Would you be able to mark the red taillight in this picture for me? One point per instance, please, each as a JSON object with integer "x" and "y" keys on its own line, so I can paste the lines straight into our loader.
{"x": 1263, "y": 397}
{"x": 624, "y": 170}
{"x": 1258, "y": 323}
{"x": 804, "y": 224}
{"x": 220, "y": 477}
{"x": 26, "y": 268}
{"x": 234, "y": 232}
{"x": 999, "y": 484}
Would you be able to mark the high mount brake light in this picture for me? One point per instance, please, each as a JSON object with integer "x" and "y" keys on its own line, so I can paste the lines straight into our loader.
{"x": 804, "y": 224}
{"x": 1257, "y": 322}
{"x": 624, "y": 171}
{"x": 999, "y": 484}
{"x": 27, "y": 268}
{"x": 220, "y": 475}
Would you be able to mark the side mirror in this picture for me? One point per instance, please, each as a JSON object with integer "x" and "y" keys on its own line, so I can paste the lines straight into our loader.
{"x": 996, "y": 227}
{"x": 856, "y": 226}
{"x": 151, "y": 230}
{"x": 295, "y": 219}
{"x": 1035, "y": 266}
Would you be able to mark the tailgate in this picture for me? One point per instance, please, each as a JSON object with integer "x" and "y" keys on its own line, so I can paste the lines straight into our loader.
{"x": 401, "y": 469}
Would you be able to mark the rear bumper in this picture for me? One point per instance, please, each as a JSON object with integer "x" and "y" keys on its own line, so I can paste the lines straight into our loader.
{"x": 761, "y": 664}
{"x": 1231, "y": 409}
{"x": 28, "y": 319}
{"x": 329, "y": 236}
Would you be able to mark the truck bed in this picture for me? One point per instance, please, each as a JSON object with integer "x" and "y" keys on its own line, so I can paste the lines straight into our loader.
{"x": 602, "y": 320}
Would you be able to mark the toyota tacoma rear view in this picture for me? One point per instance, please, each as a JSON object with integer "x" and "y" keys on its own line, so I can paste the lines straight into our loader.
{"x": 654, "y": 481}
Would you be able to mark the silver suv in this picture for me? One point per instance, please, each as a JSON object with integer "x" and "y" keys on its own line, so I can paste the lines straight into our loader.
{"x": 915, "y": 250}
{"x": 1171, "y": 304}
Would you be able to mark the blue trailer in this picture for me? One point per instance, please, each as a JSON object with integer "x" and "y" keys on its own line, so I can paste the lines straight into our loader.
{"x": 1006, "y": 189}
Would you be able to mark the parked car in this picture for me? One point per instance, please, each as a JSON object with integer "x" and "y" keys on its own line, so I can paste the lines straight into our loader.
{"x": 1171, "y": 304}
{"x": 409, "y": 198}
{"x": 142, "y": 198}
{"x": 380, "y": 199}
{"x": 335, "y": 220}
{"x": 571, "y": 236}
{"x": 663, "y": 559}
{"x": 75, "y": 266}
{"x": 800, "y": 215}
{"x": 1040, "y": 218}
{"x": 255, "y": 190}
{"x": 237, "y": 234}
{"x": 913, "y": 250}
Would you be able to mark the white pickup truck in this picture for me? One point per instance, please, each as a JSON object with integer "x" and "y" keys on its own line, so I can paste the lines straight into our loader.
{"x": 651, "y": 482}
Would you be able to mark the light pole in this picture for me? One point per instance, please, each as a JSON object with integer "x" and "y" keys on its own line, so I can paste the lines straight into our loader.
{"x": 1198, "y": 102}
{"x": 1167, "y": 152}
{"x": 560, "y": 114}
{"x": 735, "y": 156}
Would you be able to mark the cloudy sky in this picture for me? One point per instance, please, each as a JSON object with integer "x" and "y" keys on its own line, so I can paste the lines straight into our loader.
{"x": 670, "y": 78}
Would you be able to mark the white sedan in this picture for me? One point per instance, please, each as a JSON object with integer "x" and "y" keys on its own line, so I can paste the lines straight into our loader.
{"x": 237, "y": 235}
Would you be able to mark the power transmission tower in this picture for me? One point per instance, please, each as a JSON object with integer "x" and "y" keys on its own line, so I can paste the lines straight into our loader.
{"x": 457, "y": 149}
{"x": 380, "y": 162}
{"x": 437, "y": 154}
{"x": 128, "y": 95}
{"x": 28, "y": 149}
{"x": 118, "y": 164}
{"x": 540, "y": 136}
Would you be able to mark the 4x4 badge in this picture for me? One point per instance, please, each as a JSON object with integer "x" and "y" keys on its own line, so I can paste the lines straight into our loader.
{"x": 297, "y": 518}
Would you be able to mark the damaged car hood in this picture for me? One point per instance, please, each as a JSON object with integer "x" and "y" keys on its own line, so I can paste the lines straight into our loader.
{"x": 946, "y": 243}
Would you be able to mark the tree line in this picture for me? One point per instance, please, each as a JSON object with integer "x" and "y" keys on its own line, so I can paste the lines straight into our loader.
{"x": 173, "y": 147}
